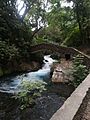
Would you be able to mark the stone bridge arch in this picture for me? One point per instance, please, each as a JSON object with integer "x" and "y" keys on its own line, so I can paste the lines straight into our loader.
{"x": 62, "y": 51}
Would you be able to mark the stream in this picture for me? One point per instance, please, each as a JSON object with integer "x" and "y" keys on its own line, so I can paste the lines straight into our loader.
{"x": 11, "y": 84}
{"x": 45, "y": 106}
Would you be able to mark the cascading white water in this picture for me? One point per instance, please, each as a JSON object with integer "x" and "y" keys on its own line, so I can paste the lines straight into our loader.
{"x": 11, "y": 84}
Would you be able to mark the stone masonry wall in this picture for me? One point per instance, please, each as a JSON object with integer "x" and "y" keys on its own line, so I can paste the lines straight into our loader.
{"x": 61, "y": 50}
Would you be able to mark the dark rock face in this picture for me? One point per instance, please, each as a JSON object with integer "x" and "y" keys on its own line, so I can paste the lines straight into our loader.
{"x": 8, "y": 107}
{"x": 17, "y": 68}
{"x": 45, "y": 107}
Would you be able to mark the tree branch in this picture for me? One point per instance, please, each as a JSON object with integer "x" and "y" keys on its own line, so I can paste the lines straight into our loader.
{"x": 35, "y": 32}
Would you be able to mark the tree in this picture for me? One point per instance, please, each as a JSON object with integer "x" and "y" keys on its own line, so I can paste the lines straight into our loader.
{"x": 82, "y": 10}
{"x": 63, "y": 18}
{"x": 14, "y": 34}
{"x": 60, "y": 23}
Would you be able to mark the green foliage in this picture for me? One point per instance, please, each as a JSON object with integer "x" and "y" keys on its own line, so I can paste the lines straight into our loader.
{"x": 15, "y": 35}
{"x": 7, "y": 52}
{"x": 79, "y": 71}
{"x": 38, "y": 40}
{"x": 73, "y": 39}
{"x": 68, "y": 25}
{"x": 60, "y": 23}
{"x": 53, "y": 33}
{"x": 82, "y": 11}
{"x": 29, "y": 92}
{"x": 36, "y": 13}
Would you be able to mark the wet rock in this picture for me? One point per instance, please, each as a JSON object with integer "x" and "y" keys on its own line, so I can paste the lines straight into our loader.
{"x": 62, "y": 72}
{"x": 45, "y": 107}
{"x": 29, "y": 67}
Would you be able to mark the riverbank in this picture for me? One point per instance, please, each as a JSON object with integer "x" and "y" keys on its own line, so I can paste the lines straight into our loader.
{"x": 43, "y": 109}
{"x": 24, "y": 65}
{"x": 20, "y": 68}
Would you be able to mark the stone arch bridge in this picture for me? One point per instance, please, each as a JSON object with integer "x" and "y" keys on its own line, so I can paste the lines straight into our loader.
{"x": 53, "y": 48}
{"x": 60, "y": 50}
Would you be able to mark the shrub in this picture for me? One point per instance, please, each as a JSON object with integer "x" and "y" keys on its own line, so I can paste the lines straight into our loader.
{"x": 29, "y": 91}
{"x": 79, "y": 71}
{"x": 7, "y": 52}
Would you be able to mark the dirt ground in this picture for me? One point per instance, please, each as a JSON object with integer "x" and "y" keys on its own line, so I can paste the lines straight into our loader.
{"x": 84, "y": 110}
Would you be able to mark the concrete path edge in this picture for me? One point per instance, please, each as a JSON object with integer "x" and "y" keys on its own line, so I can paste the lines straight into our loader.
{"x": 72, "y": 104}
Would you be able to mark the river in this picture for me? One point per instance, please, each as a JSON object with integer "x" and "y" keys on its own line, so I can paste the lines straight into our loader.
{"x": 45, "y": 105}
{"x": 11, "y": 83}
